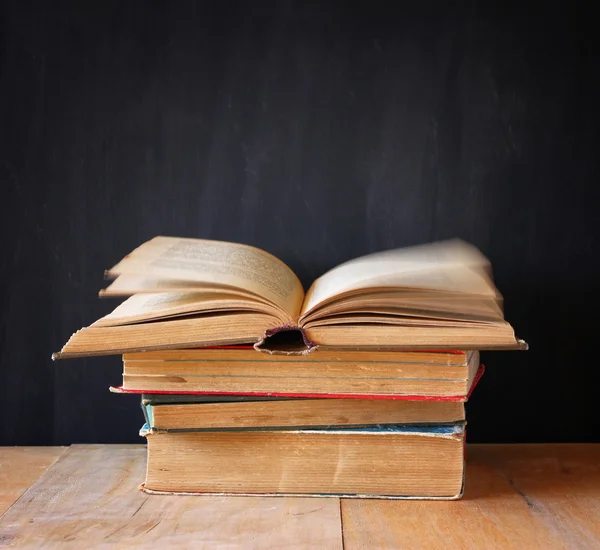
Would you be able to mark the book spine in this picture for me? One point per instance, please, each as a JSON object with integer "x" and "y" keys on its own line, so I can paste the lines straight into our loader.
{"x": 268, "y": 343}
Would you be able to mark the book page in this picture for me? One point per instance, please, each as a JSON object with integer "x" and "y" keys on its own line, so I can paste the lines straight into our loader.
{"x": 466, "y": 310}
{"x": 450, "y": 266}
{"x": 147, "y": 307}
{"x": 216, "y": 263}
{"x": 130, "y": 284}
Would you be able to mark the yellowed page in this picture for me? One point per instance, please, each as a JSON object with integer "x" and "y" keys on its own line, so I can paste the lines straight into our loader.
{"x": 382, "y": 319}
{"x": 129, "y": 284}
{"x": 449, "y": 266}
{"x": 160, "y": 306}
{"x": 216, "y": 263}
{"x": 415, "y": 303}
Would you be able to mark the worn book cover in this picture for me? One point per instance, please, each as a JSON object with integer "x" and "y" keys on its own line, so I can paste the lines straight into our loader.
{"x": 393, "y": 462}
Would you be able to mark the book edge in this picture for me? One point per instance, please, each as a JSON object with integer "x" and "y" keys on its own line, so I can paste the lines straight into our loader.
{"x": 142, "y": 487}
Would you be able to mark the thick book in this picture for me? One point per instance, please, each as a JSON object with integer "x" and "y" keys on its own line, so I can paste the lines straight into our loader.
{"x": 191, "y": 293}
{"x": 239, "y": 353}
{"x": 296, "y": 413}
{"x": 300, "y": 376}
{"x": 245, "y": 392}
{"x": 373, "y": 462}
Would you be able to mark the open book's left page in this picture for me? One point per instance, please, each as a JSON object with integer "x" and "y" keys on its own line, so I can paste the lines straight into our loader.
{"x": 172, "y": 264}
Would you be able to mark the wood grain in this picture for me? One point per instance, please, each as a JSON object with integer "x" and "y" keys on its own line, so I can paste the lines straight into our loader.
{"x": 20, "y": 467}
{"x": 517, "y": 496}
{"x": 89, "y": 499}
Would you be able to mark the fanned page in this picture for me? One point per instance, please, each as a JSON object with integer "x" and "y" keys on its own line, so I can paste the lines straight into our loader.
{"x": 439, "y": 294}
{"x": 128, "y": 284}
{"x": 162, "y": 306}
{"x": 173, "y": 264}
{"x": 426, "y": 274}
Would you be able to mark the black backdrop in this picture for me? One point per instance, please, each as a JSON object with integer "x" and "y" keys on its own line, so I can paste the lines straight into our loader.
{"x": 318, "y": 131}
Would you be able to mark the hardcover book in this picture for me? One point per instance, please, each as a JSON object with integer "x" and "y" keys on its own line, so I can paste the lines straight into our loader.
{"x": 276, "y": 413}
{"x": 300, "y": 375}
{"x": 372, "y": 462}
{"x": 190, "y": 293}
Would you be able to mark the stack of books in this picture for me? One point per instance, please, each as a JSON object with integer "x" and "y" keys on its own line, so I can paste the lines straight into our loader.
{"x": 250, "y": 386}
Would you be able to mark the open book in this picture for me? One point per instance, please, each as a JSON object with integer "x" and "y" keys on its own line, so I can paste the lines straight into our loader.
{"x": 190, "y": 292}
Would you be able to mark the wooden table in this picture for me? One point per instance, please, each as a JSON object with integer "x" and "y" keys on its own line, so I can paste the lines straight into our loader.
{"x": 85, "y": 496}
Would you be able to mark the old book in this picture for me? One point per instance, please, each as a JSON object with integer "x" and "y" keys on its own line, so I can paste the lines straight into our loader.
{"x": 385, "y": 461}
{"x": 301, "y": 376}
{"x": 452, "y": 365}
{"x": 190, "y": 293}
{"x": 247, "y": 353}
{"x": 297, "y": 413}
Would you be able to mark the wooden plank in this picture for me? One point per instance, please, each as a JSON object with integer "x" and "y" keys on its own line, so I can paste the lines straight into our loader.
{"x": 20, "y": 467}
{"x": 89, "y": 499}
{"x": 517, "y": 496}
{"x": 559, "y": 483}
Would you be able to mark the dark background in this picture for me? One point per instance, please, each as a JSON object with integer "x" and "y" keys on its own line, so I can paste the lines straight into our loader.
{"x": 319, "y": 131}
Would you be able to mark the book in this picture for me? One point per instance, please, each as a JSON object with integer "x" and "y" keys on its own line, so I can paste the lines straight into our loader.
{"x": 445, "y": 358}
{"x": 295, "y": 413}
{"x": 300, "y": 375}
{"x": 377, "y": 461}
{"x": 186, "y": 293}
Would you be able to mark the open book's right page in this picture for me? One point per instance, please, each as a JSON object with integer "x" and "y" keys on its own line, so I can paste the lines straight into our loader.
{"x": 448, "y": 267}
